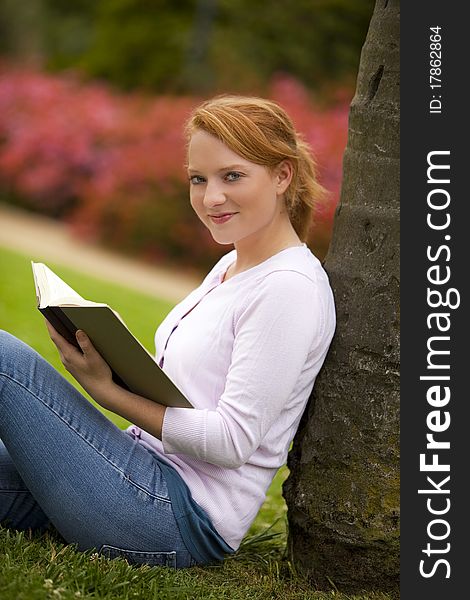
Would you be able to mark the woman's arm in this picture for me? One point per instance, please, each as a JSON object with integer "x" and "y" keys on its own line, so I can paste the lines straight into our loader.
{"x": 281, "y": 334}
{"x": 95, "y": 376}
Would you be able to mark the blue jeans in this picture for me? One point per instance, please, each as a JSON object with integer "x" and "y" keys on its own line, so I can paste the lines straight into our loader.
{"x": 62, "y": 462}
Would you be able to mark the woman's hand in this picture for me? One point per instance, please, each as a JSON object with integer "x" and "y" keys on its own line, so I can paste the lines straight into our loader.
{"x": 95, "y": 376}
{"x": 88, "y": 367}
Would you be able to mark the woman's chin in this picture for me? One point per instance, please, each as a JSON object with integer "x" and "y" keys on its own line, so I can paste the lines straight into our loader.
{"x": 225, "y": 240}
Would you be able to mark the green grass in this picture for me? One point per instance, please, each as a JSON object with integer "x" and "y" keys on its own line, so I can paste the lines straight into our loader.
{"x": 42, "y": 567}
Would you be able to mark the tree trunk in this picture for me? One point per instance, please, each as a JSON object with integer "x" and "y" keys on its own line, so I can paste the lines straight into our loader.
{"x": 343, "y": 490}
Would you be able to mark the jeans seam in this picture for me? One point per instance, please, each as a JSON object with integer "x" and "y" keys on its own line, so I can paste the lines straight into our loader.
{"x": 170, "y": 556}
{"x": 118, "y": 469}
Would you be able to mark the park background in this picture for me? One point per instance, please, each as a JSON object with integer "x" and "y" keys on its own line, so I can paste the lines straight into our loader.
{"x": 93, "y": 98}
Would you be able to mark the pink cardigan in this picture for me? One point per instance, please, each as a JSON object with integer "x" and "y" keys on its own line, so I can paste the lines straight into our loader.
{"x": 245, "y": 352}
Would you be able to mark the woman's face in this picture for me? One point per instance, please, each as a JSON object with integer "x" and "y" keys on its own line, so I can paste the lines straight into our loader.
{"x": 234, "y": 198}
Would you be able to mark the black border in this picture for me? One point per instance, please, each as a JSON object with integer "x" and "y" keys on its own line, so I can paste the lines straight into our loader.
{"x": 422, "y": 132}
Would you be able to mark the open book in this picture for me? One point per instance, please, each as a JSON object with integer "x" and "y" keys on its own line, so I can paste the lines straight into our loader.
{"x": 134, "y": 368}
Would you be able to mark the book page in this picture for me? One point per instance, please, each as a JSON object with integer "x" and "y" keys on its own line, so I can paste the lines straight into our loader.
{"x": 51, "y": 290}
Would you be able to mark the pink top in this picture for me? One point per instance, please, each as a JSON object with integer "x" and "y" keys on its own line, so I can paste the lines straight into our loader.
{"x": 245, "y": 352}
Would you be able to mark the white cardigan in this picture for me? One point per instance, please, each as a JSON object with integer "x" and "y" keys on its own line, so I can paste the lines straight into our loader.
{"x": 245, "y": 352}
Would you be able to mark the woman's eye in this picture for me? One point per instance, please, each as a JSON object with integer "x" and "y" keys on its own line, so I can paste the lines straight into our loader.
{"x": 195, "y": 179}
{"x": 232, "y": 176}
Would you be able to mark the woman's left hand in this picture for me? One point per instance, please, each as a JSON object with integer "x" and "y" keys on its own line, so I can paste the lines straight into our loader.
{"x": 87, "y": 367}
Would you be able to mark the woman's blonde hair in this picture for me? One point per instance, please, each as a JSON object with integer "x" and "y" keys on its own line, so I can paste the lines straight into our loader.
{"x": 260, "y": 131}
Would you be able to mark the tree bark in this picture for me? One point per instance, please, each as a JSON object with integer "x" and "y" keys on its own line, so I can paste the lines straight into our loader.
{"x": 343, "y": 490}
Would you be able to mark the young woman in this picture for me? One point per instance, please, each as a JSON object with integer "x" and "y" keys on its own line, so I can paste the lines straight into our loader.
{"x": 182, "y": 486}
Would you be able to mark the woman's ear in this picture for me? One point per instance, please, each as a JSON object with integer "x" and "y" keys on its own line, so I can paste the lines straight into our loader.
{"x": 284, "y": 173}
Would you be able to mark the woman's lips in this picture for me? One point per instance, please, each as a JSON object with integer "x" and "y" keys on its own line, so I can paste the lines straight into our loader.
{"x": 222, "y": 218}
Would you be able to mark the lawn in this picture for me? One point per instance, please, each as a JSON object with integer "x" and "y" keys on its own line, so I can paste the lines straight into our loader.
{"x": 40, "y": 567}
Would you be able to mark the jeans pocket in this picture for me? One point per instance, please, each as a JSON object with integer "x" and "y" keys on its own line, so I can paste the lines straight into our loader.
{"x": 161, "y": 559}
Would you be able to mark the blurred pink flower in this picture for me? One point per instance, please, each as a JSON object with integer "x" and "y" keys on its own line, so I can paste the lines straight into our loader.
{"x": 82, "y": 150}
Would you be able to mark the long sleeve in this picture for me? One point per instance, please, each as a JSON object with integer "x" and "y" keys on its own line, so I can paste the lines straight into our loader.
{"x": 281, "y": 325}
{"x": 246, "y": 353}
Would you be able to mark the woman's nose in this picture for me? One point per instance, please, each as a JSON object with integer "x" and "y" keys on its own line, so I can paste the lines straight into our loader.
{"x": 213, "y": 195}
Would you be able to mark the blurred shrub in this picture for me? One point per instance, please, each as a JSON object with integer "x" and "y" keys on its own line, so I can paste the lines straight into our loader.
{"x": 314, "y": 41}
{"x": 191, "y": 45}
{"x": 112, "y": 165}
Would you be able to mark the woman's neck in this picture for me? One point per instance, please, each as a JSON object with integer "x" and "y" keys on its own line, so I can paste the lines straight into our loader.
{"x": 252, "y": 252}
